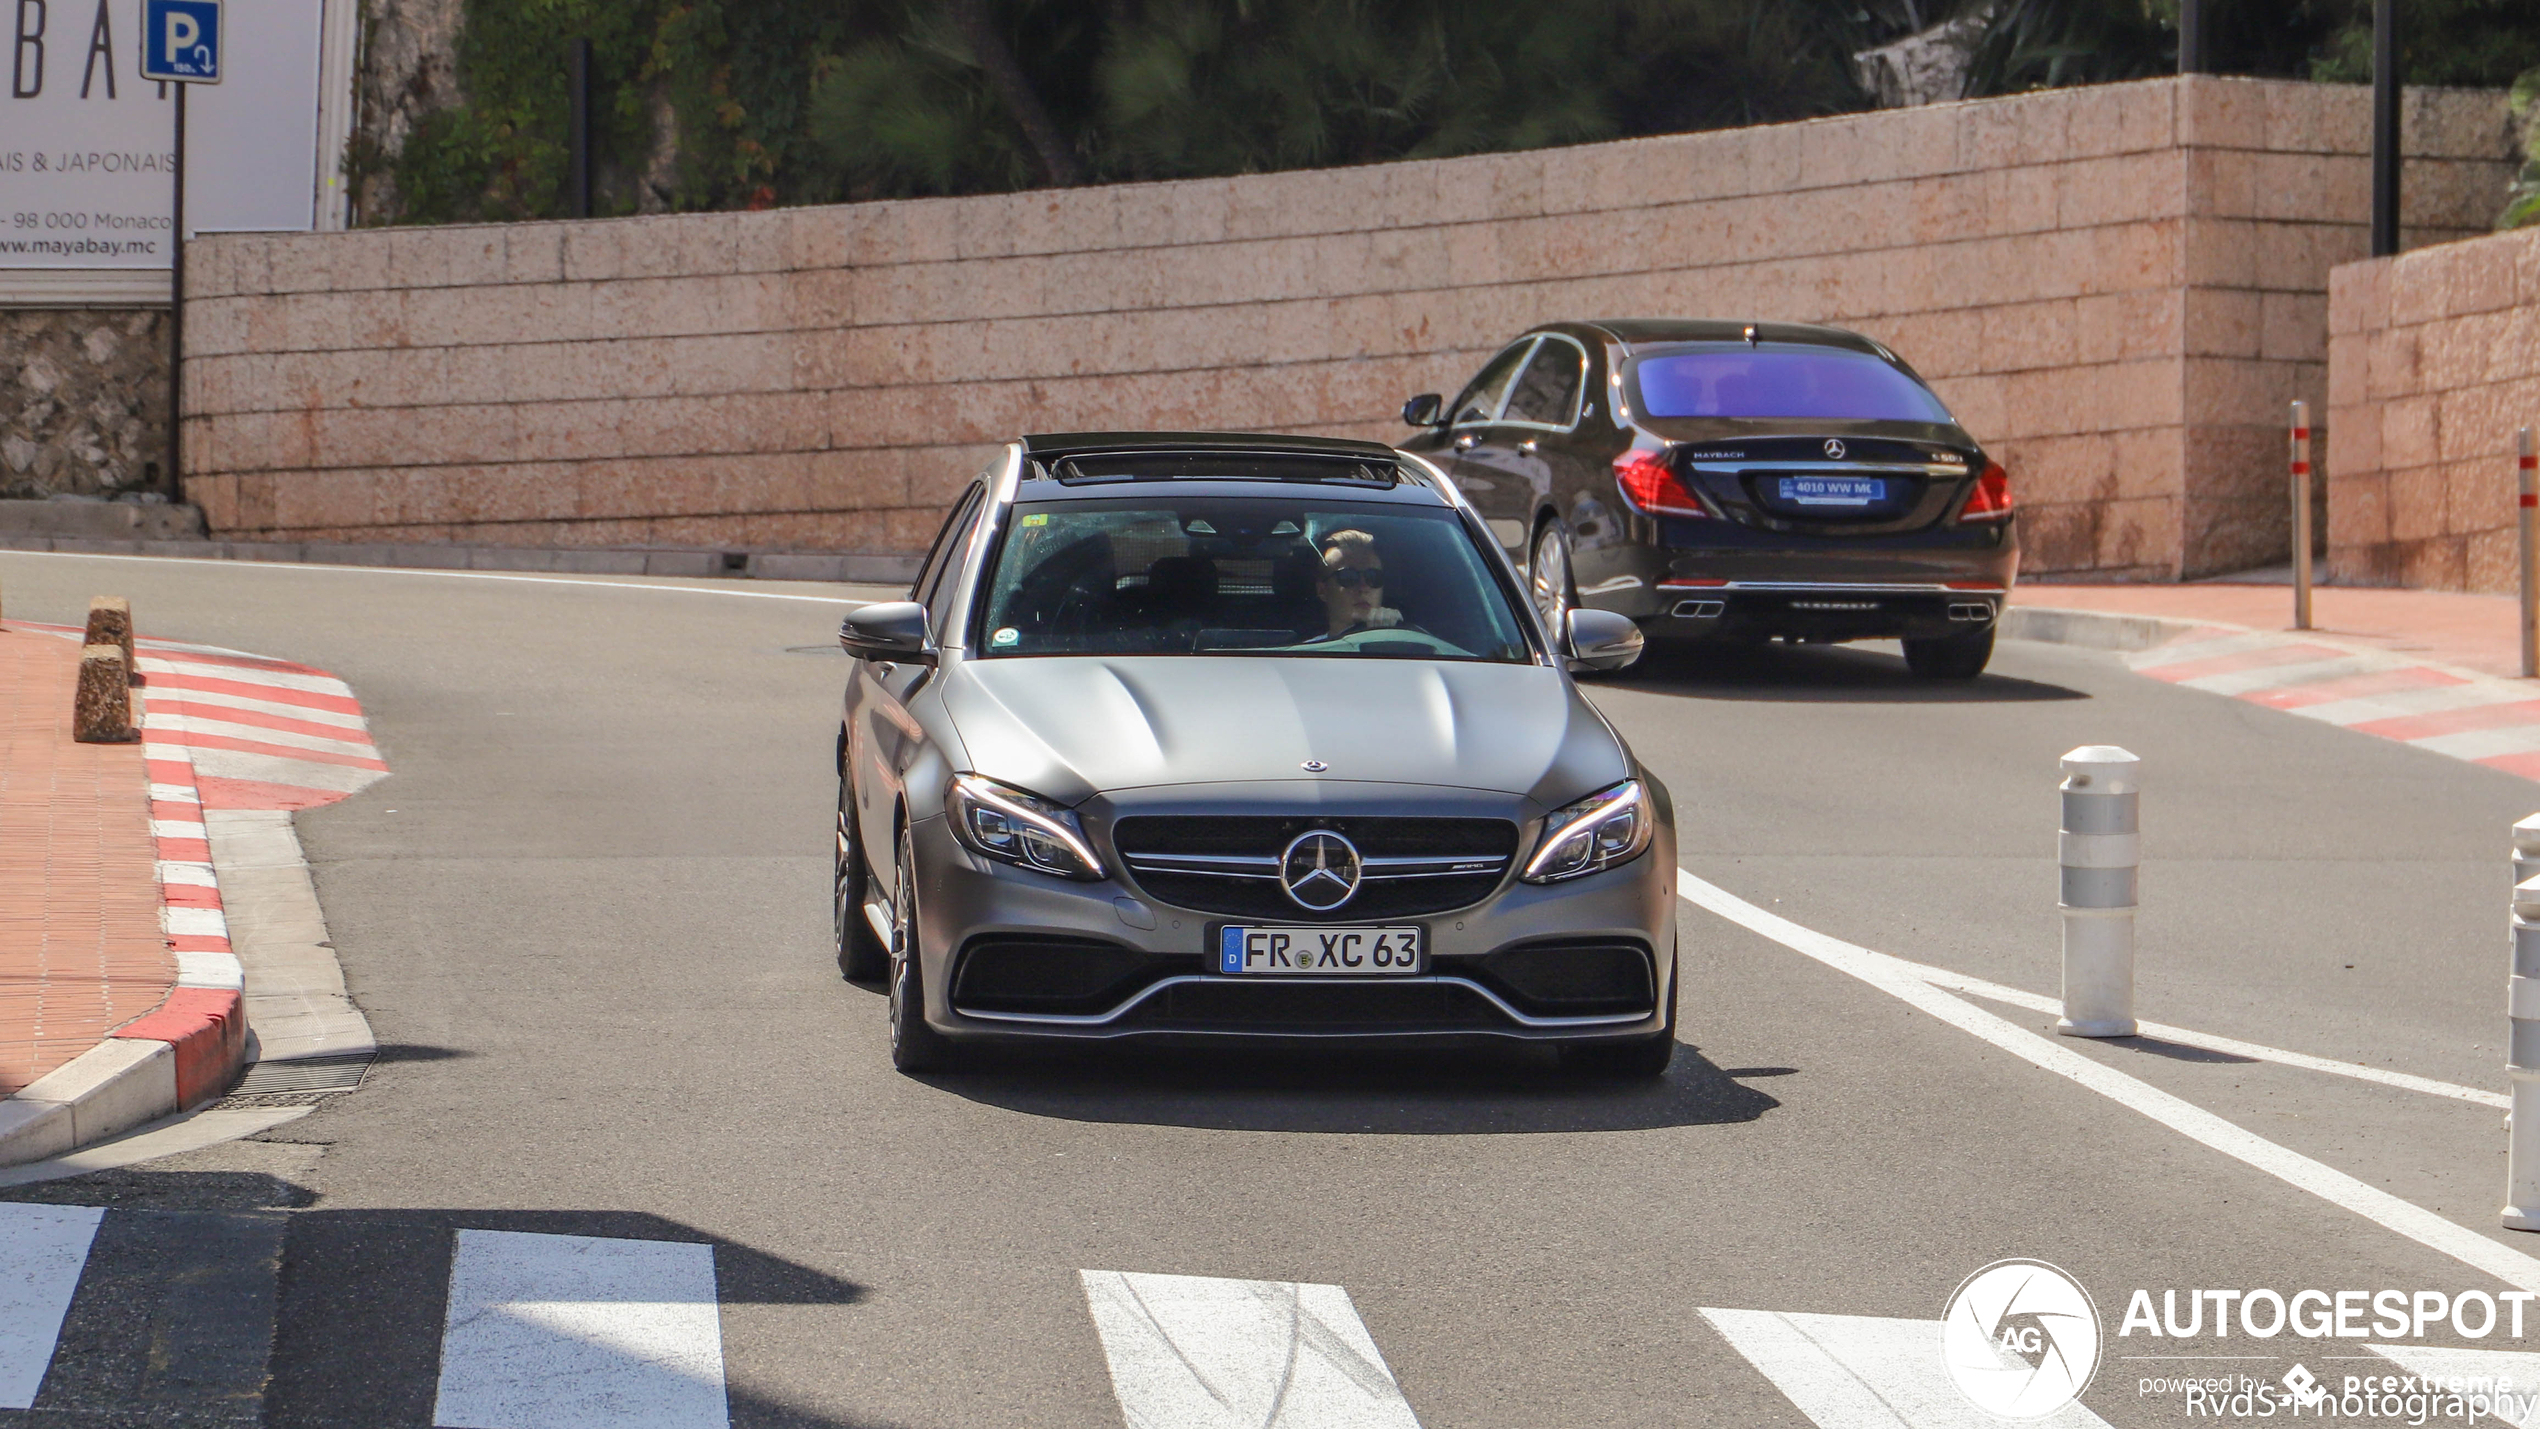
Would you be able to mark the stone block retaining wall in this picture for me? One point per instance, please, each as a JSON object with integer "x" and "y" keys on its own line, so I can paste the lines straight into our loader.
{"x": 2117, "y": 288}
{"x": 2434, "y": 361}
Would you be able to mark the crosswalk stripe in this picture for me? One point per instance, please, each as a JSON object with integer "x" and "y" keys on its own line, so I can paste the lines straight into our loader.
{"x": 1193, "y": 1352}
{"x": 563, "y": 1332}
{"x": 42, "y": 1251}
{"x": 1864, "y": 1372}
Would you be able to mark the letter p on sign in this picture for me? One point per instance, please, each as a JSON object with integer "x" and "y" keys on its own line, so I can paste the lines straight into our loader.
{"x": 181, "y": 40}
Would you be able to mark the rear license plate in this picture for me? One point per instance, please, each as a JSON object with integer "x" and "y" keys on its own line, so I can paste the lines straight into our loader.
{"x": 1834, "y": 490}
{"x": 1317, "y": 952}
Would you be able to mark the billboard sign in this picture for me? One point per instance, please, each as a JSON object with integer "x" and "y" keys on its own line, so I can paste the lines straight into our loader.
{"x": 87, "y": 144}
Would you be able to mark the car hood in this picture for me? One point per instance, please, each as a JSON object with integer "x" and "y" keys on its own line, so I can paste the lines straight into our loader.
{"x": 1071, "y": 727}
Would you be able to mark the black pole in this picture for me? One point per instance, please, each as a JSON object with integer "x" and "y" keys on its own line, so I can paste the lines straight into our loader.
{"x": 2191, "y": 37}
{"x": 2386, "y": 80}
{"x": 176, "y": 318}
{"x": 578, "y": 87}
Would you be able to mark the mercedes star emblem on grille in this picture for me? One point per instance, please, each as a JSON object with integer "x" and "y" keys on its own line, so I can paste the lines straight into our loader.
{"x": 1320, "y": 870}
{"x": 1834, "y": 448}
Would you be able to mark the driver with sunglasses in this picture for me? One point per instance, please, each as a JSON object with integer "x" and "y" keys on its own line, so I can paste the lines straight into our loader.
{"x": 1352, "y": 585}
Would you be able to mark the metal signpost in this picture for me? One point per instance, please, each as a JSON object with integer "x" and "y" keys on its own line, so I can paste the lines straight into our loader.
{"x": 180, "y": 45}
{"x": 2527, "y": 500}
{"x": 2301, "y": 515}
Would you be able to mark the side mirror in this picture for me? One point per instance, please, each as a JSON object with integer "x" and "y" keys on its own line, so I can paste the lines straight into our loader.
{"x": 1602, "y": 641}
{"x": 891, "y": 630}
{"x": 1426, "y": 410}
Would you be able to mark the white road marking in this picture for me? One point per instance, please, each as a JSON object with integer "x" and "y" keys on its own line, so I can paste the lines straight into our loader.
{"x": 243, "y": 675}
{"x": 2180, "y": 654}
{"x": 575, "y": 1332}
{"x": 2189, "y": 1037}
{"x": 42, "y": 1251}
{"x": 1192, "y": 1352}
{"x": 460, "y": 575}
{"x": 1895, "y": 977}
{"x": 2520, "y": 1366}
{"x": 306, "y": 714}
{"x": 1862, "y": 1372}
{"x": 2276, "y": 677}
{"x": 259, "y": 734}
{"x": 2434, "y": 699}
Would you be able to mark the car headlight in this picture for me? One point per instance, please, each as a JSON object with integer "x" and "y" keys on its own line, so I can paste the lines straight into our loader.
{"x": 1598, "y": 832}
{"x": 1025, "y": 830}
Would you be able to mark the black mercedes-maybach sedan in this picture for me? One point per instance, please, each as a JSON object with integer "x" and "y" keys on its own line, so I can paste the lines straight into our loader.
{"x": 1734, "y": 482}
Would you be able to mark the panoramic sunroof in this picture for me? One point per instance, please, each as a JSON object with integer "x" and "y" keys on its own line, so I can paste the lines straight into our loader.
{"x": 1223, "y": 466}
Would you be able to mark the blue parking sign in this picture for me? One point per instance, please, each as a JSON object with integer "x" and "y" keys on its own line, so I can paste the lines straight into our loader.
{"x": 180, "y": 40}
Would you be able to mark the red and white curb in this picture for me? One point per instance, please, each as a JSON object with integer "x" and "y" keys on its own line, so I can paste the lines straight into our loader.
{"x": 181, "y": 1054}
{"x": 234, "y": 731}
{"x": 2442, "y": 709}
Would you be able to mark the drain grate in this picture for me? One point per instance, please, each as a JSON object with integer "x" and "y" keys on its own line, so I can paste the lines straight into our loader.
{"x": 339, "y": 1073}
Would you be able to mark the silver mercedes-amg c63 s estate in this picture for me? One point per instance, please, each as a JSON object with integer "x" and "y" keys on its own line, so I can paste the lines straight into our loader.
{"x": 1220, "y": 739}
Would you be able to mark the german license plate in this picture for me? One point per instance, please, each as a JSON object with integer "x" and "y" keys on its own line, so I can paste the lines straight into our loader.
{"x": 1317, "y": 952}
{"x": 1834, "y": 490}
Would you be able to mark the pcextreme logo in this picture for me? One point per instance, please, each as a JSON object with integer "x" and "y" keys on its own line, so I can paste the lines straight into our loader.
{"x": 2021, "y": 1339}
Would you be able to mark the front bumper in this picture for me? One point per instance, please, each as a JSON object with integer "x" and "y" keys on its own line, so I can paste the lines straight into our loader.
{"x": 1164, "y": 992}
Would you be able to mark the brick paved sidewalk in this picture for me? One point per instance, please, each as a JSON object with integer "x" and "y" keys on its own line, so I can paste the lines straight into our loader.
{"x": 81, "y": 949}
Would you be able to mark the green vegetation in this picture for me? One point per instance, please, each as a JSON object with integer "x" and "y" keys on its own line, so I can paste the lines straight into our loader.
{"x": 747, "y": 103}
{"x": 807, "y": 101}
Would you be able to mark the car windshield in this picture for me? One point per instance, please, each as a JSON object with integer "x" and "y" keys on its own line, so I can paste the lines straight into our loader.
{"x": 1782, "y": 381}
{"x": 1199, "y": 575}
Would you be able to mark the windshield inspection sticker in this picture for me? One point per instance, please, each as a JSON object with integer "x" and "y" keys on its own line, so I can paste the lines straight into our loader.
{"x": 1006, "y": 635}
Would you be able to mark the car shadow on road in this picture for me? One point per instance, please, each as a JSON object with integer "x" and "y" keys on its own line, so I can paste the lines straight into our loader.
{"x": 1387, "y": 1094}
{"x": 1815, "y": 673}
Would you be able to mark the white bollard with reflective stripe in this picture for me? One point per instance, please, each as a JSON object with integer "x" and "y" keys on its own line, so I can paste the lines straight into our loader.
{"x": 2100, "y": 847}
{"x": 2522, "y": 1047}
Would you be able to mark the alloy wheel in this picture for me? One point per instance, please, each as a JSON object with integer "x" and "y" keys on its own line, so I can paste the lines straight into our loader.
{"x": 903, "y": 942}
{"x": 1548, "y": 577}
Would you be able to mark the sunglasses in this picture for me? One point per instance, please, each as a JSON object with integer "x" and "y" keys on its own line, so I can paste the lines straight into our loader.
{"x": 1355, "y": 577}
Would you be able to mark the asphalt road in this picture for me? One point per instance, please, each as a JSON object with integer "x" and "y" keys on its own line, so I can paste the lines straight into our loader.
{"x": 587, "y": 919}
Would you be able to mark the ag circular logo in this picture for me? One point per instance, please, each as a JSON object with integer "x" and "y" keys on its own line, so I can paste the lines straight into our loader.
{"x": 1834, "y": 449}
{"x": 2021, "y": 1339}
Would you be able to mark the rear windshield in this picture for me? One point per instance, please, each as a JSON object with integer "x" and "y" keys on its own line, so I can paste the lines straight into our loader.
{"x": 1156, "y": 574}
{"x": 1781, "y": 381}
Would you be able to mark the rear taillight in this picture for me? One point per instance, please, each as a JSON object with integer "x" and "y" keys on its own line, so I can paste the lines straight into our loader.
{"x": 1650, "y": 486}
{"x": 1991, "y": 500}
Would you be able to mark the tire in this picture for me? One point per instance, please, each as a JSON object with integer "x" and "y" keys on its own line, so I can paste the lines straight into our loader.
{"x": 1548, "y": 579}
{"x": 915, "y": 1046}
{"x": 862, "y": 955}
{"x": 1950, "y": 657}
{"x": 1641, "y": 1060}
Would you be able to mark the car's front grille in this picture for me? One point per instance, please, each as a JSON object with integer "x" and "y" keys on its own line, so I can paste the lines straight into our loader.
{"x": 1229, "y": 863}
